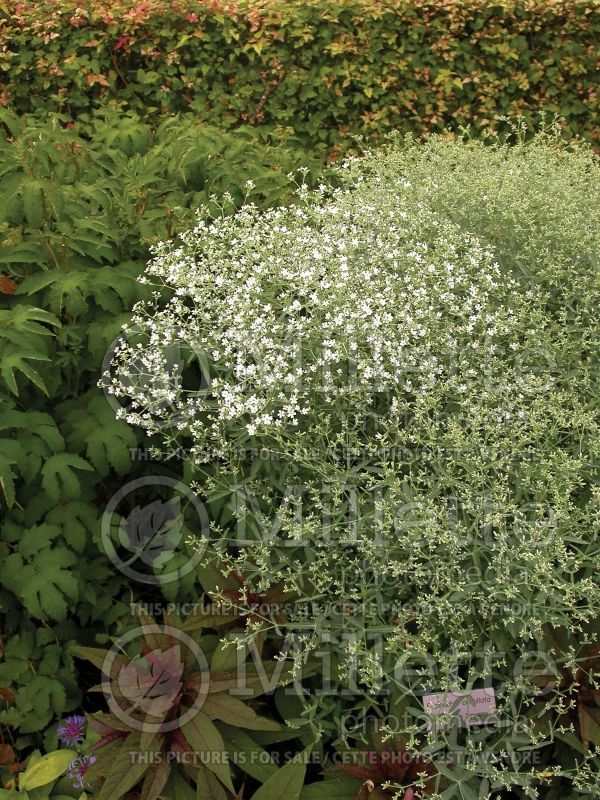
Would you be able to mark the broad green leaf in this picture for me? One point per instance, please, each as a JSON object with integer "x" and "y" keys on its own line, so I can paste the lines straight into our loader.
{"x": 226, "y": 656}
{"x": 96, "y": 656}
{"x": 47, "y": 769}
{"x": 155, "y": 779}
{"x": 178, "y": 787}
{"x": 589, "y": 720}
{"x": 249, "y": 756}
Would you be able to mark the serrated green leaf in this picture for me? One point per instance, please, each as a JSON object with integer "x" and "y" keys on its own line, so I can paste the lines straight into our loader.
{"x": 36, "y": 538}
{"x": 33, "y": 202}
{"x": 13, "y": 359}
{"x": 41, "y": 699}
{"x": 35, "y": 283}
{"x": 77, "y": 521}
{"x": 45, "y": 584}
{"x": 58, "y": 476}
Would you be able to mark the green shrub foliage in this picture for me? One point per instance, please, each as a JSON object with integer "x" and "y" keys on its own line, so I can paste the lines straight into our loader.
{"x": 76, "y": 220}
{"x": 323, "y": 68}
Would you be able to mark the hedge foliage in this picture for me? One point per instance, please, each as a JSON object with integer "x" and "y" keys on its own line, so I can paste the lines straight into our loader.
{"x": 323, "y": 68}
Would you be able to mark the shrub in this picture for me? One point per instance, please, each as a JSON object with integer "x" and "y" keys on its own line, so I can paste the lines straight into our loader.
{"x": 412, "y": 354}
{"x": 76, "y": 221}
{"x": 322, "y": 69}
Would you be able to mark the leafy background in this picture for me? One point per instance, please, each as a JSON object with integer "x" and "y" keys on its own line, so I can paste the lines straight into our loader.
{"x": 323, "y": 69}
{"x": 78, "y": 216}
{"x": 117, "y": 121}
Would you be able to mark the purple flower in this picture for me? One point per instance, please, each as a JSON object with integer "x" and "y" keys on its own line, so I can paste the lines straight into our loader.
{"x": 78, "y": 769}
{"x": 70, "y": 732}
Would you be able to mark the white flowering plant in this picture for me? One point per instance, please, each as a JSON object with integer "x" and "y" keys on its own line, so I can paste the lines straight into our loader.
{"x": 390, "y": 391}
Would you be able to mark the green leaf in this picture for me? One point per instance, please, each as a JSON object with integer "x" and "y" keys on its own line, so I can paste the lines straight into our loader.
{"x": 47, "y": 769}
{"x": 37, "y": 702}
{"x": 34, "y": 283}
{"x": 58, "y": 476}
{"x": 46, "y": 586}
{"x": 11, "y": 453}
{"x": 125, "y": 772}
{"x": 33, "y": 203}
{"x": 335, "y": 789}
{"x": 251, "y": 757}
{"x": 94, "y": 655}
{"x": 178, "y": 787}
{"x": 225, "y": 657}
{"x": 13, "y": 359}
{"x": 36, "y": 538}
{"x": 26, "y": 319}
{"x": 42, "y": 425}
{"x": 211, "y": 576}
{"x": 285, "y": 784}
{"x": 155, "y": 780}
{"x": 233, "y": 711}
{"x": 110, "y": 446}
{"x": 589, "y": 719}
{"x": 208, "y": 787}
{"x": 202, "y": 736}
{"x": 77, "y": 522}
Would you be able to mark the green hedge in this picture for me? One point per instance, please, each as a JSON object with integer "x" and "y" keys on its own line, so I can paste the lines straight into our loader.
{"x": 324, "y": 68}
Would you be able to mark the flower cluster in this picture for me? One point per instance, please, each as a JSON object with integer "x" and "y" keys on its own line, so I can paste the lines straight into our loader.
{"x": 304, "y": 311}
{"x": 78, "y": 769}
{"x": 71, "y": 733}
{"x": 414, "y": 347}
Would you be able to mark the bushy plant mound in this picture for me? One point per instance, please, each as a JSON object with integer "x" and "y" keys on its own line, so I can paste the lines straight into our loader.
{"x": 400, "y": 373}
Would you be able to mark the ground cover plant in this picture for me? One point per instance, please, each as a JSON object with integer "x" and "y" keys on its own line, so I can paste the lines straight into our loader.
{"x": 411, "y": 349}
